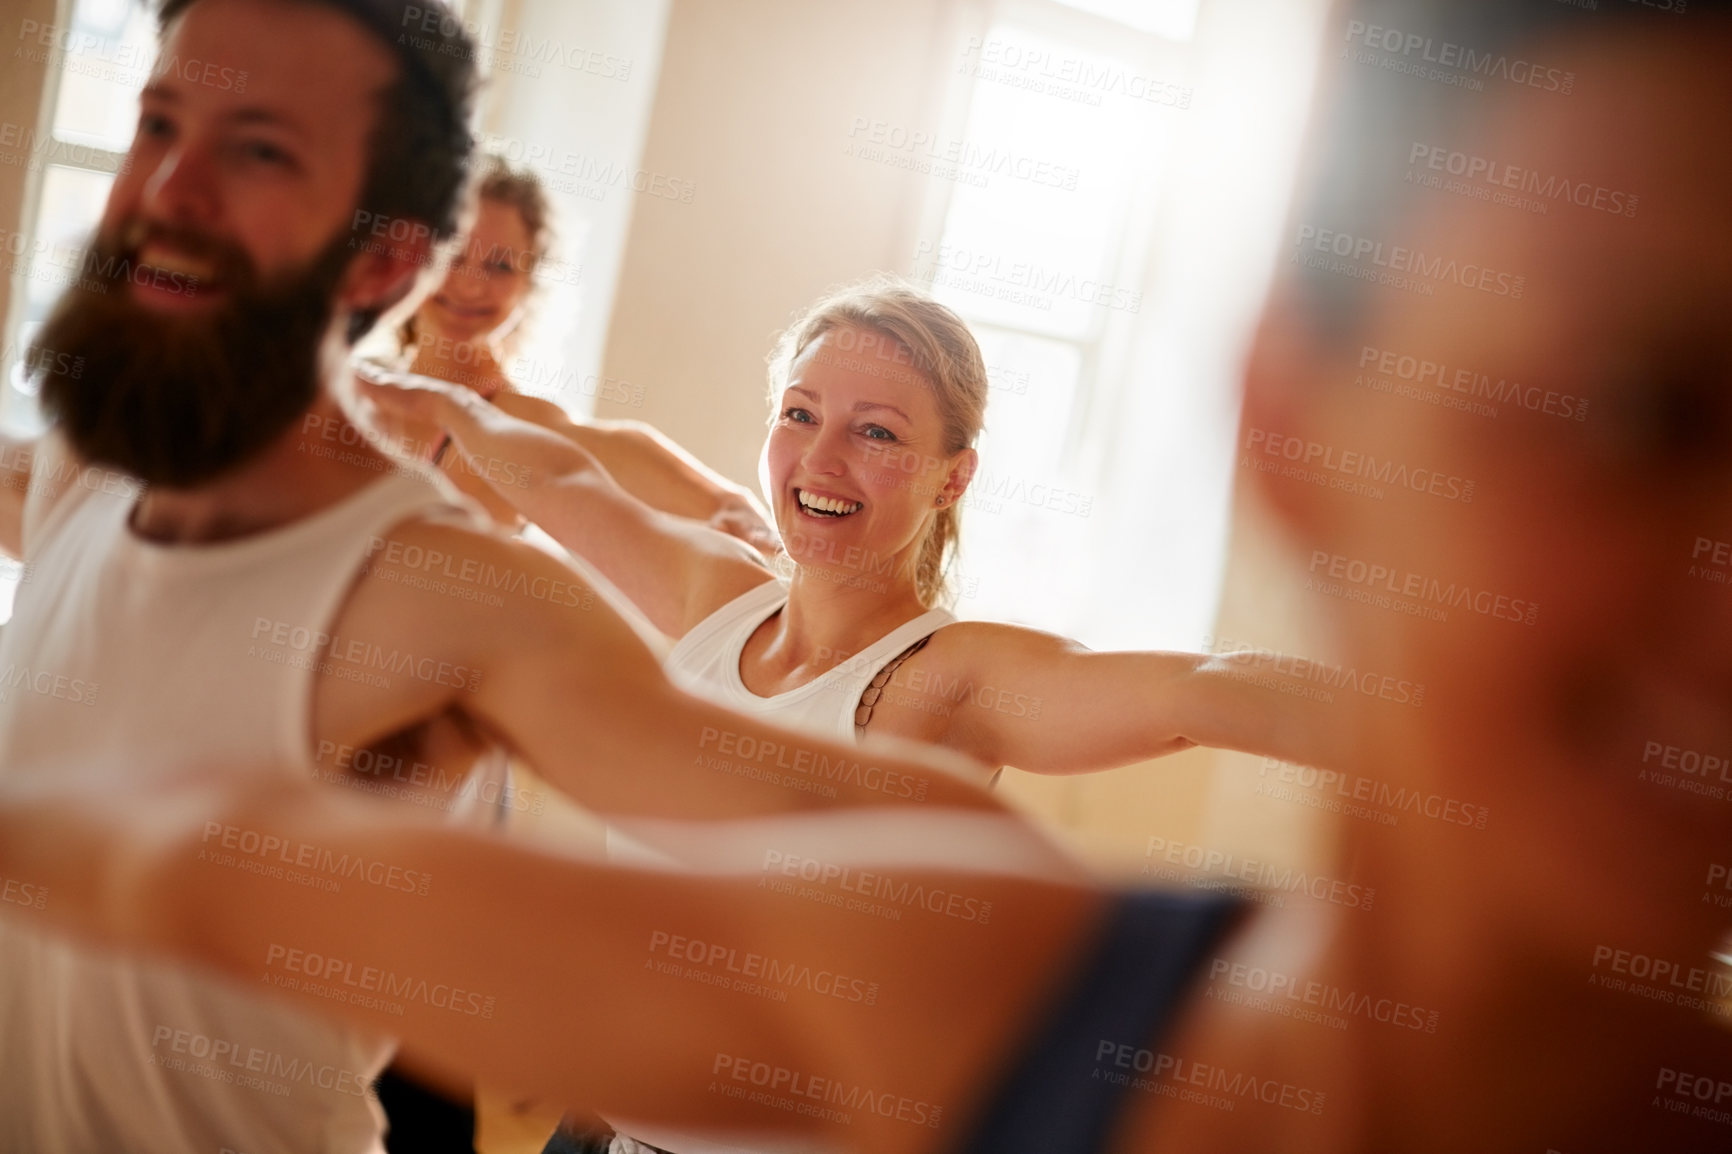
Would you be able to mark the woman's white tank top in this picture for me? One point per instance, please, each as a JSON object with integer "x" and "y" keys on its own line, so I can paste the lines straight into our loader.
{"x": 706, "y": 662}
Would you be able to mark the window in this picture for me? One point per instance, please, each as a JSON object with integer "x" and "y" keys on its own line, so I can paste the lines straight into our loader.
{"x": 101, "y": 52}
{"x": 101, "y": 56}
{"x": 1044, "y": 250}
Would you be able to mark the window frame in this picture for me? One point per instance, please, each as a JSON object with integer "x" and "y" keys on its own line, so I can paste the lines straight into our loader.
{"x": 83, "y": 158}
{"x": 1103, "y": 348}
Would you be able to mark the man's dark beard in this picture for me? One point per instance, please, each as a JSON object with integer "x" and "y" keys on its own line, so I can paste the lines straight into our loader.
{"x": 179, "y": 399}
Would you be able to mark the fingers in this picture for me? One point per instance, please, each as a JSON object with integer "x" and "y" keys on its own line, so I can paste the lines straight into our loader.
{"x": 376, "y": 380}
{"x": 752, "y": 529}
{"x": 749, "y": 528}
{"x": 402, "y": 397}
{"x": 367, "y": 372}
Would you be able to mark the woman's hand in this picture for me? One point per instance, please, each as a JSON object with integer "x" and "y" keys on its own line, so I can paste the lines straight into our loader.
{"x": 408, "y": 400}
{"x": 740, "y": 517}
{"x": 405, "y": 399}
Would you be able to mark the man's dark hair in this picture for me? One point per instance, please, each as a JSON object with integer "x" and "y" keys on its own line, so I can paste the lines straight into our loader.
{"x": 420, "y": 148}
{"x": 1405, "y": 72}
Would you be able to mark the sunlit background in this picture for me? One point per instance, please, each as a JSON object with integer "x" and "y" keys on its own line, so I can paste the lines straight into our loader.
{"x": 1111, "y": 307}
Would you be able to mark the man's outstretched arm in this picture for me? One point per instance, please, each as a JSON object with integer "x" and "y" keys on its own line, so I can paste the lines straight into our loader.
{"x": 568, "y": 981}
{"x": 514, "y": 638}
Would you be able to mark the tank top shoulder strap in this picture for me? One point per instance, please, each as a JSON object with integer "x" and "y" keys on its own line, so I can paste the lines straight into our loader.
{"x": 874, "y": 666}
{"x": 59, "y": 481}
{"x": 320, "y": 558}
{"x": 704, "y": 641}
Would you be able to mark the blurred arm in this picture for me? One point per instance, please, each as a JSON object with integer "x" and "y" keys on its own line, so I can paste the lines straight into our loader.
{"x": 669, "y": 565}
{"x": 656, "y": 470}
{"x": 544, "y": 975}
{"x": 554, "y": 672}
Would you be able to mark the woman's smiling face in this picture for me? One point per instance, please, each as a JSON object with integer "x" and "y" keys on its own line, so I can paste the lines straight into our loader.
{"x": 856, "y": 458}
{"x": 489, "y": 277}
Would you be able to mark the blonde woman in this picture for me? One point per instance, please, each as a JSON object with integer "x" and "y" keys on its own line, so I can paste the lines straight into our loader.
{"x": 879, "y": 393}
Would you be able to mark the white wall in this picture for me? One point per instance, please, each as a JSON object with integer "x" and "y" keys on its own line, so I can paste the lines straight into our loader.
{"x": 573, "y": 82}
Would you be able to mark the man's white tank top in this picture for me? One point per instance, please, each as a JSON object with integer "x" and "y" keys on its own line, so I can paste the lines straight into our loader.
{"x": 139, "y": 657}
{"x": 706, "y": 662}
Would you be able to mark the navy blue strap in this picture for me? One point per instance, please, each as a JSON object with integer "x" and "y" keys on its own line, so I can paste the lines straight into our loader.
{"x": 1059, "y": 1097}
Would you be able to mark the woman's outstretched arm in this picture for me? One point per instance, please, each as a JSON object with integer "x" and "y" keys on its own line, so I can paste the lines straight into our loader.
{"x": 1046, "y": 704}
{"x": 656, "y": 470}
{"x": 675, "y": 569}
{"x": 647, "y": 464}
{"x": 736, "y": 1003}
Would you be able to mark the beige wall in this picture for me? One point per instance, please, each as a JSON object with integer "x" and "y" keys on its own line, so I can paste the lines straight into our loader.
{"x": 754, "y": 107}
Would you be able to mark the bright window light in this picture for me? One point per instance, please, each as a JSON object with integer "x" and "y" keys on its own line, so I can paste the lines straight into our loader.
{"x": 1037, "y": 259}
{"x": 1011, "y": 239}
{"x": 113, "y": 45}
{"x": 72, "y": 200}
{"x": 1174, "y": 19}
